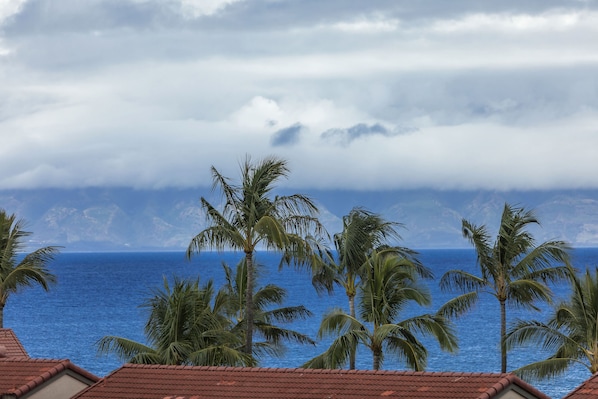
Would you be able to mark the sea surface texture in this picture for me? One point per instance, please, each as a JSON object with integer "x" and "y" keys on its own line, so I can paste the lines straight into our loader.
{"x": 99, "y": 294}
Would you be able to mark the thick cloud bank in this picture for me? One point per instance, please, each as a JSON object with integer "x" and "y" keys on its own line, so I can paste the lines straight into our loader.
{"x": 359, "y": 95}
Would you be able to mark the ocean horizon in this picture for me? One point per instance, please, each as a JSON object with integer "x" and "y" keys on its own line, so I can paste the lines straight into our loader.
{"x": 99, "y": 293}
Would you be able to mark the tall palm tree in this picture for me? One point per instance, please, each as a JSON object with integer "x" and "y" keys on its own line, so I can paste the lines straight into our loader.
{"x": 267, "y": 314}
{"x": 252, "y": 219}
{"x": 571, "y": 333}
{"x": 16, "y": 272}
{"x": 185, "y": 326}
{"x": 392, "y": 284}
{"x": 363, "y": 233}
{"x": 513, "y": 268}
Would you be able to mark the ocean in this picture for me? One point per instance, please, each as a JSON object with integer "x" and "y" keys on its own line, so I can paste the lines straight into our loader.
{"x": 99, "y": 294}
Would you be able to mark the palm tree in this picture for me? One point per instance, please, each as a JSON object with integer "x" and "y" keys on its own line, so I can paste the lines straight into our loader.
{"x": 392, "y": 284}
{"x": 513, "y": 268}
{"x": 251, "y": 219}
{"x": 16, "y": 273}
{"x": 363, "y": 232}
{"x": 266, "y": 312}
{"x": 571, "y": 333}
{"x": 183, "y": 327}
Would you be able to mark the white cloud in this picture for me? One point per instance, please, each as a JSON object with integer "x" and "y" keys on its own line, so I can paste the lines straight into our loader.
{"x": 259, "y": 113}
{"x": 9, "y": 8}
{"x": 514, "y": 24}
{"x": 491, "y": 99}
{"x": 371, "y": 24}
{"x": 199, "y": 8}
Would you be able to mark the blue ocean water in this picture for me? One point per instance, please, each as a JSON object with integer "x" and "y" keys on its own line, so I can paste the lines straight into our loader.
{"x": 98, "y": 294}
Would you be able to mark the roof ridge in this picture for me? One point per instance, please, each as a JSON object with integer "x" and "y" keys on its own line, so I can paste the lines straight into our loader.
{"x": 14, "y": 340}
{"x": 185, "y": 382}
{"x": 43, "y": 377}
{"x": 57, "y": 366}
{"x": 318, "y": 371}
{"x": 32, "y": 360}
{"x": 580, "y": 386}
{"x": 508, "y": 379}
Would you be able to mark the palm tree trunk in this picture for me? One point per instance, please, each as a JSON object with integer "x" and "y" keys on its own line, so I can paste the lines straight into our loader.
{"x": 352, "y": 305}
{"x": 352, "y": 355}
{"x": 1, "y": 315}
{"x": 249, "y": 305}
{"x": 377, "y": 358}
{"x": 503, "y": 336}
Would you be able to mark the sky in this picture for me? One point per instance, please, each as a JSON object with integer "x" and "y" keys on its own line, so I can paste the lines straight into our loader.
{"x": 361, "y": 95}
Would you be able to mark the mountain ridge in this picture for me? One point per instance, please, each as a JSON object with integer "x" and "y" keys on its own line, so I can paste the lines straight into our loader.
{"x": 121, "y": 219}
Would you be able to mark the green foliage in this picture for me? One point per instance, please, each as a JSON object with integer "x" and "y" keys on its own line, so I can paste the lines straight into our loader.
{"x": 185, "y": 326}
{"x": 251, "y": 218}
{"x": 390, "y": 283}
{"x": 191, "y": 324}
{"x": 571, "y": 333}
{"x": 267, "y": 313}
{"x": 31, "y": 270}
{"x": 513, "y": 268}
{"x": 363, "y": 234}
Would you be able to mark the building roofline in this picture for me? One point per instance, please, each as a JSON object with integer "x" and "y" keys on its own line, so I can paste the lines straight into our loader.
{"x": 509, "y": 379}
{"x": 15, "y": 341}
{"x": 61, "y": 365}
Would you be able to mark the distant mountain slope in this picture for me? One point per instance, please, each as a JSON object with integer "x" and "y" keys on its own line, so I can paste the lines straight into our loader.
{"x": 98, "y": 219}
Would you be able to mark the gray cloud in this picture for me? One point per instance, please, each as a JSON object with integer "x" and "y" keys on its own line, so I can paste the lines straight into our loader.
{"x": 151, "y": 93}
{"x": 48, "y": 16}
{"x": 346, "y": 136}
{"x": 288, "y": 135}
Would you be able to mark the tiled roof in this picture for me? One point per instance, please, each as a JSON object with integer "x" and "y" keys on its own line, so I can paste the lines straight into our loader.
{"x": 187, "y": 382}
{"x": 587, "y": 390}
{"x": 20, "y": 375}
{"x": 10, "y": 346}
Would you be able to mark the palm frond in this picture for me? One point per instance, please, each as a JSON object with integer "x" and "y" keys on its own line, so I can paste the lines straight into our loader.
{"x": 459, "y": 280}
{"x": 544, "y": 369}
{"x": 338, "y": 353}
{"x": 31, "y": 270}
{"x": 459, "y": 305}
{"x": 408, "y": 349}
{"x": 221, "y": 355}
{"x": 433, "y": 325}
{"x": 125, "y": 349}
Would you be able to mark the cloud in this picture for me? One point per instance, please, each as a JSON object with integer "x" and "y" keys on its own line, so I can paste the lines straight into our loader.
{"x": 346, "y": 136}
{"x": 551, "y": 21}
{"x": 8, "y": 8}
{"x": 288, "y": 135}
{"x": 199, "y": 8}
{"x": 149, "y": 93}
{"x": 371, "y": 24}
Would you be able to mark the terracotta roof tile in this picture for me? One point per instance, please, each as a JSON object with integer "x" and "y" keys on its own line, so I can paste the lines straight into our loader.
{"x": 188, "y": 382}
{"x": 587, "y": 390}
{"x": 21, "y": 375}
{"x": 10, "y": 346}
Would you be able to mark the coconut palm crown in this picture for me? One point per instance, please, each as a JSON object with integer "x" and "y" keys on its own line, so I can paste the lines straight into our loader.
{"x": 269, "y": 317}
{"x": 570, "y": 334}
{"x": 391, "y": 283}
{"x": 18, "y": 271}
{"x": 363, "y": 233}
{"x": 512, "y": 268}
{"x": 251, "y": 219}
{"x": 186, "y": 326}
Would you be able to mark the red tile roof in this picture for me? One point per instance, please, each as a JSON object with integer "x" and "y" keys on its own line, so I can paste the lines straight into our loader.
{"x": 19, "y": 376}
{"x": 587, "y": 390}
{"x": 10, "y": 346}
{"x": 188, "y": 382}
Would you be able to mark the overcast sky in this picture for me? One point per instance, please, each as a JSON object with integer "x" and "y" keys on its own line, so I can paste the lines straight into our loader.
{"x": 354, "y": 94}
